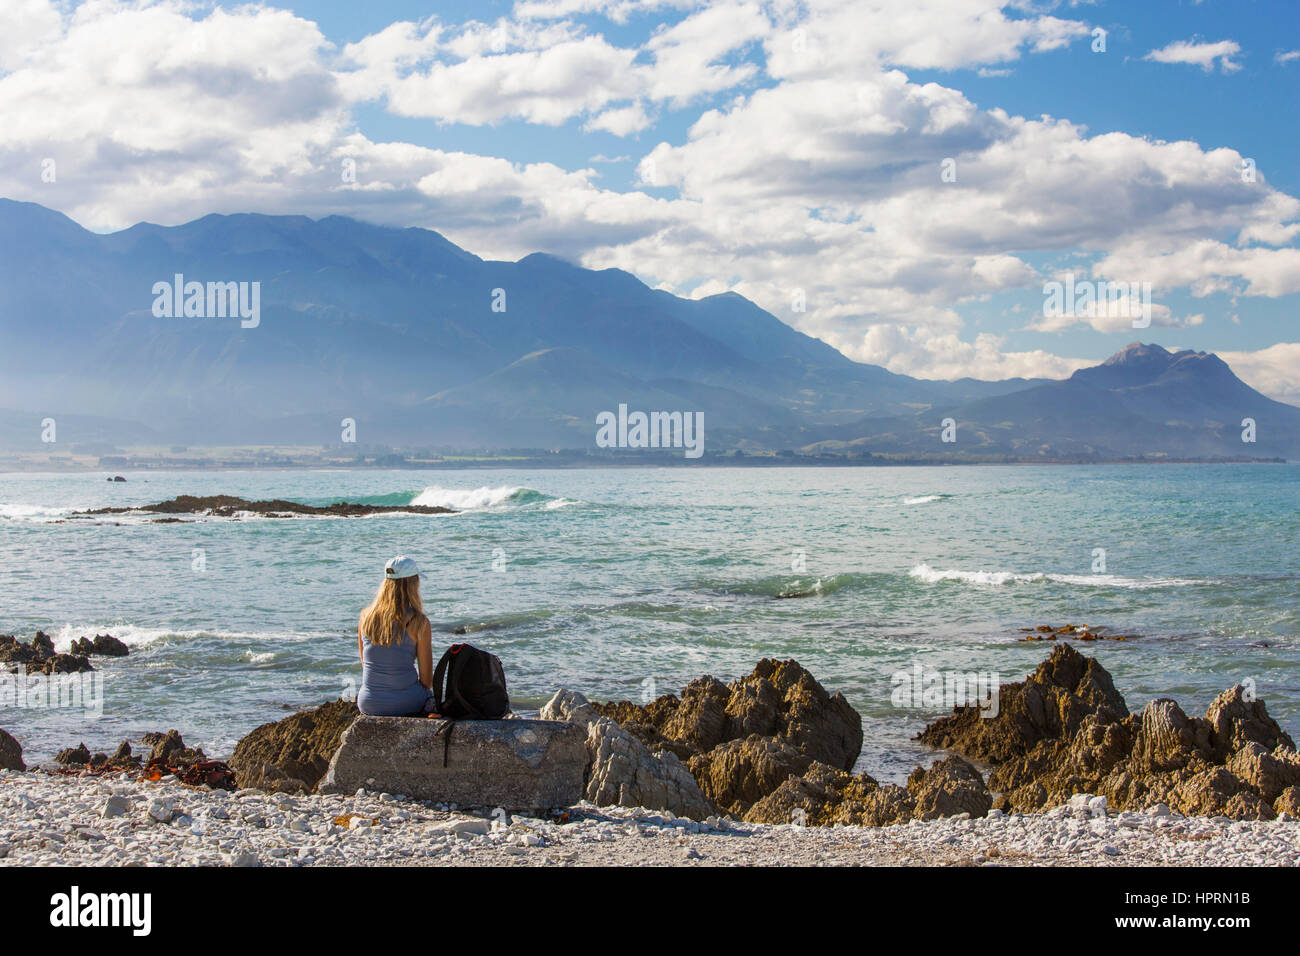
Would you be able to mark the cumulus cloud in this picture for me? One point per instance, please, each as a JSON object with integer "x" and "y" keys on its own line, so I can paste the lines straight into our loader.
{"x": 913, "y": 351}
{"x": 1275, "y": 371}
{"x": 815, "y": 164}
{"x": 1204, "y": 55}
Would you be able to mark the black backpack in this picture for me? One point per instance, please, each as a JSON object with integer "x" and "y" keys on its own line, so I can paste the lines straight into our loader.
{"x": 475, "y": 685}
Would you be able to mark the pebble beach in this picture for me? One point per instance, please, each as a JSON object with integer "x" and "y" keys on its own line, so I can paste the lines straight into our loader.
{"x": 55, "y": 820}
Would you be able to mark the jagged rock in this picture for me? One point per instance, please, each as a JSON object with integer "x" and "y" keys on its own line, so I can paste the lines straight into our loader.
{"x": 1288, "y": 802}
{"x": 514, "y": 764}
{"x": 701, "y": 720}
{"x": 1235, "y": 721}
{"x": 1267, "y": 773}
{"x": 947, "y": 788}
{"x": 1051, "y": 703}
{"x": 59, "y": 664}
{"x": 825, "y": 794}
{"x": 571, "y": 706}
{"x": 39, "y": 656}
{"x": 779, "y": 699}
{"x": 622, "y": 770}
{"x": 122, "y": 756}
{"x": 292, "y": 755}
{"x": 170, "y": 749}
{"x": 890, "y": 804}
{"x": 14, "y": 651}
{"x": 1167, "y": 738}
{"x": 11, "y": 753}
{"x": 105, "y": 645}
{"x": 737, "y": 774}
{"x": 73, "y": 756}
{"x": 1234, "y": 762}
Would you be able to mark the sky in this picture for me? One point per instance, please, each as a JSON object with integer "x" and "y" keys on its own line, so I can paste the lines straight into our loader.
{"x": 901, "y": 178}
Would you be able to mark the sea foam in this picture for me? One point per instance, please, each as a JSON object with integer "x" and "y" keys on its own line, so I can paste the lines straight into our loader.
{"x": 923, "y": 572}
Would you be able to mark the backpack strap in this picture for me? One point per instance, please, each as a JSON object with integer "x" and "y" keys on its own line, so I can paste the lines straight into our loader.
{"x": 446, "y": 741}
{"x": 438, "y": 675}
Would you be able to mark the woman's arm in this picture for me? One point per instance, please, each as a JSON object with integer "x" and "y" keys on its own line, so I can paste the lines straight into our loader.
{"x": 361, "y": 650}
{"x": 424, "y": 651}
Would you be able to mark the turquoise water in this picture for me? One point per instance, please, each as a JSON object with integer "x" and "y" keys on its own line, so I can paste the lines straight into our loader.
{"x": 604, "y": 579}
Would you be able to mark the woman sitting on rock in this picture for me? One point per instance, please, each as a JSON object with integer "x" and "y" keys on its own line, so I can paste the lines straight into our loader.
{"x": 394, "y": 640}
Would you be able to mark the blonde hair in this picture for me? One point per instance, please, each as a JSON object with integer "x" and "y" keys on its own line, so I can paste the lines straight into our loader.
{"x": 396, "y": 602}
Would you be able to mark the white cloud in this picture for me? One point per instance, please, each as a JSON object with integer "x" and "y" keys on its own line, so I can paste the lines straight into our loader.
{"x": 1204, "y": 55}
{"x": 622, "y": 121}
{"x": 1275, "y": 371}
{"x": 912, "y": 351}
{"x": 828, "y": 181}
{"x": 1287, "y": 56}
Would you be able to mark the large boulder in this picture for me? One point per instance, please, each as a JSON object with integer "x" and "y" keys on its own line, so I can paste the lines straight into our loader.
{"x": 823, "y": 796}
{"x": 1050, "y": 703}
{"x": 779, "y": 699}
{"x": 622, "y": 770}
{"x": 291, "y": 755}
{"x": 11, "y": 753}
{"x": 947, "y": 788}
{"x": 737, "y": 774}
{"x": 514, "y": 764}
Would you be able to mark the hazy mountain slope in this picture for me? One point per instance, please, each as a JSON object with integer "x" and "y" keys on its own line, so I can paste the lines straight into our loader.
{"x": 422, "y": 342}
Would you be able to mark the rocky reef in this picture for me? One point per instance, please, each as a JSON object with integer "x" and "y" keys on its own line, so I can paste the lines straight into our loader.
{"x": 1066, "y": 730}
{"x": 39, "y": 656}
{"x": 776, "y": 747}
{"x": 771, "y": 747}
{"x": 229, "y": 506}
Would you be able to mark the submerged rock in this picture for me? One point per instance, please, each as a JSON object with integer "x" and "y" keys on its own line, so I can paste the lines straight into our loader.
{"x": 11, "y": 753}
{"x": 291, "y": 755}
{"x": 39, "y": 657}
{"x": 105, "y": 645}
{"x": 228, "y": 506}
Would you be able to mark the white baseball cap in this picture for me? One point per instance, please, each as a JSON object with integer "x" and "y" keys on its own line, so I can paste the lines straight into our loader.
{"x": 401, "y": 567}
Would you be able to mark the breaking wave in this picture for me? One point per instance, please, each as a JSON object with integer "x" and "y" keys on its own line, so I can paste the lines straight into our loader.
{"x": 923, "y": 572}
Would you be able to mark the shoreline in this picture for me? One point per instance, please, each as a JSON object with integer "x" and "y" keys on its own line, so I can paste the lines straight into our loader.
{"x": 50, "y": 820}
{"x": 10, "y": 467}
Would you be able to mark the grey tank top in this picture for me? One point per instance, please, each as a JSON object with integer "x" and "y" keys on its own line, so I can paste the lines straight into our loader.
{"x": 390, "y": 684}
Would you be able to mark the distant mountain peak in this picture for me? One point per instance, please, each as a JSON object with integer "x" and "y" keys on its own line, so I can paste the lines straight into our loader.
{"x": 1137, "y": 352}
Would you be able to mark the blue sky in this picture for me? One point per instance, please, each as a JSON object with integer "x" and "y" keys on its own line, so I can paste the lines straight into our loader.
{"x": 783, "y": 150}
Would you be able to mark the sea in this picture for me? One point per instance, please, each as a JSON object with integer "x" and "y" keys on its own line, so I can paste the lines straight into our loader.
{"x": 626, "y": 583}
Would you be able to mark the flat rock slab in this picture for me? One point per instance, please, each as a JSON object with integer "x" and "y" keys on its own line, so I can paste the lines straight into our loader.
{"x": 515, "y": 764}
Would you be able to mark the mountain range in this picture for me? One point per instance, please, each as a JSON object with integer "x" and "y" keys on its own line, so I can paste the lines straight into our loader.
{"x": 422, "y": 343}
